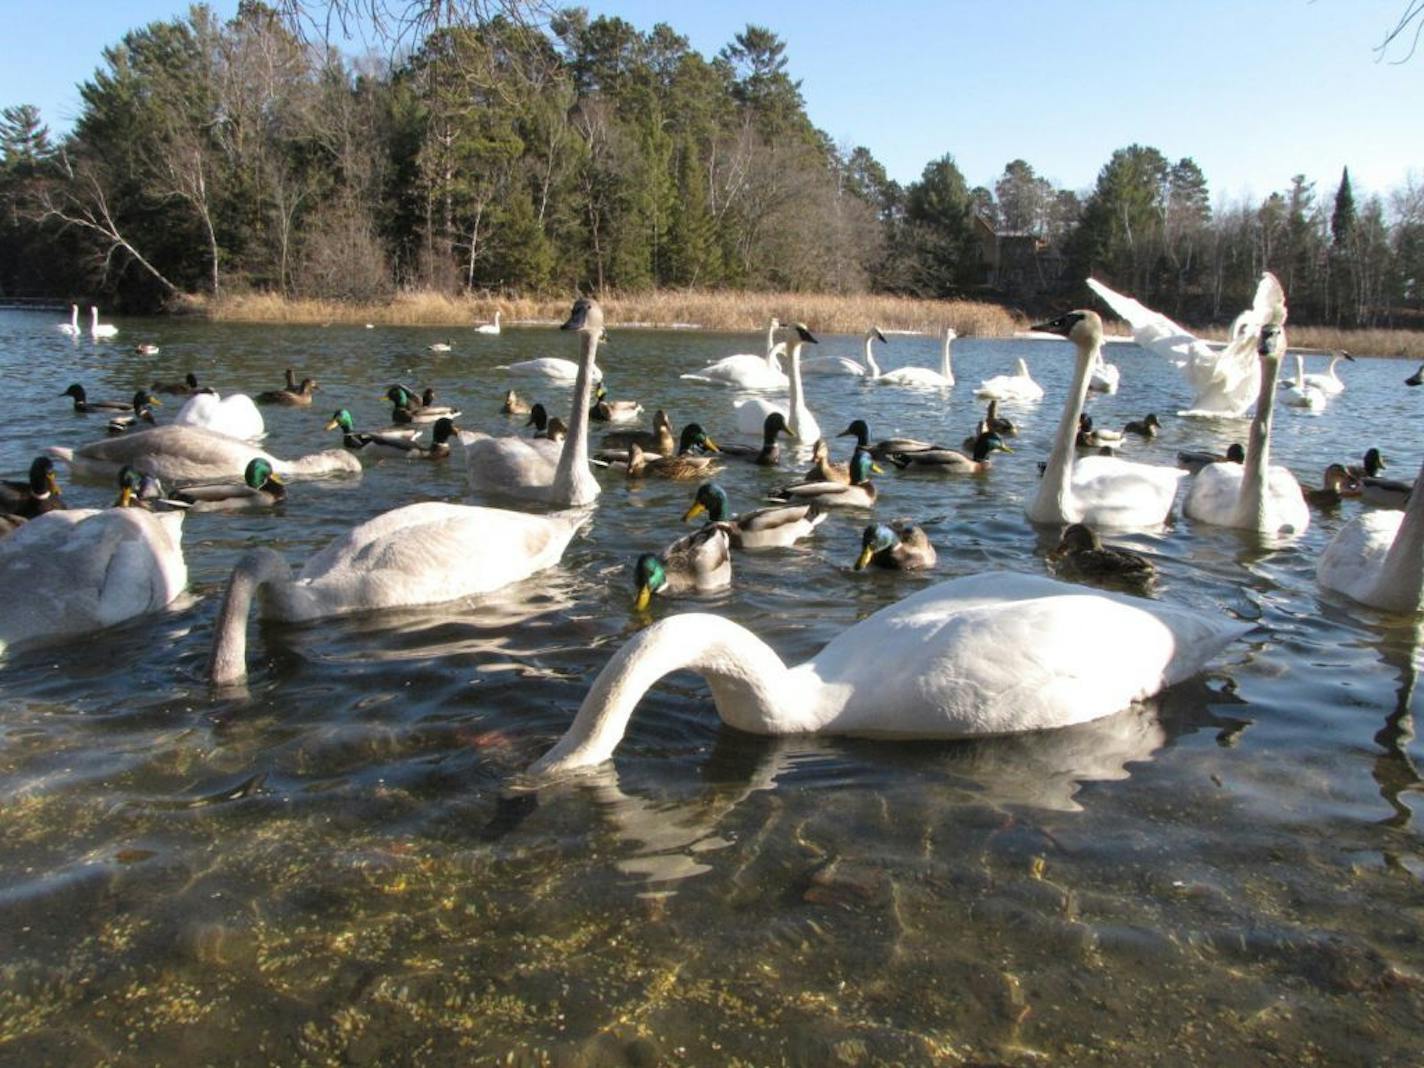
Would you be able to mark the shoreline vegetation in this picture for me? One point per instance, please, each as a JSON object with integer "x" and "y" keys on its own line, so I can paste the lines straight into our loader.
{"x": 729, "y": 311}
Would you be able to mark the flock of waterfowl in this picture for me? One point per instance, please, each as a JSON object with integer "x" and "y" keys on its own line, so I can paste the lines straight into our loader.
{"x": 987, "y": 654}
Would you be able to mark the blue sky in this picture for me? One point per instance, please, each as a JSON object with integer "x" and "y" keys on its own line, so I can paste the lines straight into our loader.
{"x": 1254, "y": 90}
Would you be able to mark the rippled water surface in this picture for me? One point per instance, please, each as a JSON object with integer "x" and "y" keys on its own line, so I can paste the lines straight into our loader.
{"x": 334, "y": 868}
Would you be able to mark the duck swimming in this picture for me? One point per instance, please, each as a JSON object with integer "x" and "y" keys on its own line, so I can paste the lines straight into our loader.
{"x": 38, "y": 494}
{"x": 949, "y": 461}
{"x": 700, "y": 562}
{"x": 769, "y": 454}
{"x": 260, "y": 488}
{"x": 188, "y": 386}
{"x": 1081, "y": 553}
{"x": 764, "y": 528}
{"x": 301, "y": 397}
{"x": 860, "y": 493}
{"x": 682, "y": 466}
{"x": 143, "y": 404}
{"x": 899, "y": 547}
{"x": 85, "y": 406}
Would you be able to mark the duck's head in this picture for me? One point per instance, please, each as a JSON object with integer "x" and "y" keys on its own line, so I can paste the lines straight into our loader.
{"x": 42, "y": 478}
{"x": 586, "y": 317}
{"x": 694, "y": 437}
{"x": 858, "y": 430}
{"x": 876, "y": 538}
{"x": 710, "y": 498}
{"x": 1374, "y": 462}
{"x": 130, "y": 487}
{"x": 1077, "y": 538}
{"x": 1085, "y": 422}
{"x": 397, "y": 395}
{"x": 259, "y": 473}
{"x": 427, "y": 398}
{"x": 445, "y": 429}
{"x": 309, "y": 385}
{"x": 538, "y": 417}
{"x": 661, "y": 421}
{"x": 341, "y": 418}
{"x": 1082, "y": 327}
{"x": 1339, "y": 480}
{"x": 1235, "y": 453}
{"x": 191, "y": 379}
{"x": 556, "y": 430}
{"x": 144, "y": 399}
{"x": 649, "y": 578}
{"x": 1152, "y": 421}
{"x": 862, "y": 466}
{"x": 599, "y": 393}
{"x": 774, "y": 424}
{"x": 820, "y": 451}
{"x": 986, "y": 443}
{"x": 76, "y": 391}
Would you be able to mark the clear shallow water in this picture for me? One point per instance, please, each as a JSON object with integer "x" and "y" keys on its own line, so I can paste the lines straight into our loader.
{"x": 333, "y": 868}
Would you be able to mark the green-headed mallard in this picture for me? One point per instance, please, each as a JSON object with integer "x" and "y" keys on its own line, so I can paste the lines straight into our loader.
{"x": 861, "y": 492}
{"x": 768, "y": 454}
{"x": 699, "y": 561}
{"x": 143, "y": 405}
{"x": 948, "y": 460}
{"x": 37, "y": 495}
{"x": 1369, "y": 467}
{"x": 1144, "y": 428}
{"x": 259, "y": 488}
{"x": 185, "y": 388}
{"x": 396, "y": 444}
{"x": 1081, "y": 553}
{"x": 1090, "y": 437}
{"x": 763, "y": 528}
{"x": 899, "y": 546}
{"x": 85, "y": 406}
{"x": 1194, "y": 460}
{"x": 885, "y": 448}
{"x": 608, "y": 411}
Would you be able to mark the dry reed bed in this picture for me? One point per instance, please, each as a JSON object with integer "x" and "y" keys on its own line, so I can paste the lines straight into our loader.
{"x": 709, "y": 310}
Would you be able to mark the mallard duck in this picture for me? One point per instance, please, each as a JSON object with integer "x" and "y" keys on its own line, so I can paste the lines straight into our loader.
{"x": 1337, "y": 485}
{"x": 421, "y": 554}
{"x": 681, "y": 466}
{"x": 404, "y": 405}
{"x": 36, "y": 495}
{"x": 1193, "y": 461}
{"x": 1100, "y": 490}
{"x": 769, "y": 453}
{"x": 607, "y": 411}
{"x": 1091, "y": 437}
{"x": 992, "y": 420}
{"x": 259, "y": 488}
{"x": 85, "y": 569}
{"x": 763, "y": 528}
{"x": 861, "y": 492}
{"x": 397, "y": 444}
{"x": 823, "y": 468}
{"x": 1253, "y": 495}
{"x": 1082, "y": 553}
{"x": 138, "y": 489}
{"x": 421, "y": 407}
{"x": 301, "y": 397}
{"x": 658, "y": 440}
{"x": 84, "y": 405}
{"x": 514, "y": 404}
{"x": 188, "y": 386}
{"x": 699, "y": 561}
{"x": 191, "y": 454}
{"x": 146, "y": 349}
{"x": 143, "y": 404}
{"x": 1375, "y": 559}
{"x": 554, "y": 473}
{"x": 947, "y": 460}
{"x": 1369, "y": 467}
{"x": 983, "y": 655}
{"x": 747, "y": 371}
{"x": 887, "y": 447}
{"x": 1144, "y": 428}
{"x": 900, "y": 547}
{"x": 440, "y": 346}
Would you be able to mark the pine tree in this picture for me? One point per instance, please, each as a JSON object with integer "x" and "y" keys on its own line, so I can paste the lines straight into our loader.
{"x": 1342, "y": 220}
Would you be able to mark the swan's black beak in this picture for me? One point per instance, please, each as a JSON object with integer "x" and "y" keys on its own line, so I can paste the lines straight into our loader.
{"x": 1347, "y": 356}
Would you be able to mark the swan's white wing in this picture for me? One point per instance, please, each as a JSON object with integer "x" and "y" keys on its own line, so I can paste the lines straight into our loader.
{"x": 234, "y": 415}
{"x": 512, "y": 464}
{"x": 1116, "y": 493}
{"x": 1353, "y": 562}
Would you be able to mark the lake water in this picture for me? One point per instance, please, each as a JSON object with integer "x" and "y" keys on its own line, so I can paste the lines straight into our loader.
{"x": 333, "y": 869}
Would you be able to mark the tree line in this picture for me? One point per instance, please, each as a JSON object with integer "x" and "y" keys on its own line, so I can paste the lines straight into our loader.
{"x": 497, "y": 155}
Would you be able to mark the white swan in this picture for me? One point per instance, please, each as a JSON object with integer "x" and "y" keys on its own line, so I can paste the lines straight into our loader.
{"x": 1105, "y": 376}
{"x": 489, "y": 328}
{"x": 1378, "y": 558}
{"x": 989, "y": 654}
{"x": 85, "y": 569}
{"x": 1101, "y": 491}
{"x": 751, "y": 414}
{"x": 844, "y": 365}
{"x": 71, "y": 328}
{"x": 420, "y": 554}
{"x": 923, "y": 377}
{"x": 539, "y": 469}
{"x": 1329, "y": 382}
{"x": 1300, "y": 393}
{"x": 192, "y": 454}
{"x": 746, "y": 371}
{"x": 550, "y": 367}
{"x": 234, "y": 415}
{"x": 1019, "y": 386}
{"x": 98, "y": 329}
{"x": 1224, "y": 379}
{"x": 1253, "y": 495}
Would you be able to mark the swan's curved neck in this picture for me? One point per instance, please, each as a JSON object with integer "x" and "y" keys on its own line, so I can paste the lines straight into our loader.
{"x": 1052, "y": 503}
{"x": 752, "y": 689}
{"x": 1299, "y": 372}
{"x": 871, "y": 365}
{"x": 945, "y": 368}
{"x": 227, "y": 660}
{"x": 574, "y": 483}
{"x": 798, "y": 398}
{"x": 771, "y": 345}
{"x": 1251, "y": 505}
{"x": 1401, "y": 579}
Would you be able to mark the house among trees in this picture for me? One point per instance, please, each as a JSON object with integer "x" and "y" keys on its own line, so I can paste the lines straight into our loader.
{"x": 1018, "y": 264}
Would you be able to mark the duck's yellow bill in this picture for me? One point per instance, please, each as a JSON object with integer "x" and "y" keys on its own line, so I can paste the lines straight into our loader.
{"x": 645, "y": 596}
{"x": 696, "y": 510}
{"x": 52, "y": 482}
{"x": 864, "y": 558}
{"x": 274, "y": 477}
{"x": 125, "y": 497}
{"x": 331, "y": 424}
{"x": 877, "y": 469}
{"x": 154, "y": 401}
{"x": 709, "y": 443}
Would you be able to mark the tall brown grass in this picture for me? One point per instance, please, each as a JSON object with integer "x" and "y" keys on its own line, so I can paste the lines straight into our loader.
{"x": 707, "y": 309}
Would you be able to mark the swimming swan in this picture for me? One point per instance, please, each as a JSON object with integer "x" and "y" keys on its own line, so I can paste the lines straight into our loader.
{"x": 844, "y": 365}
{"x": 98, "y": 329}
{"x": 234, "y": 415}
{"x": 746, "y": 371}
{"x": 489, "y": 328}
{"x": 192, "y": 454}
{"x": 1300, "y": 393}
{"x": 752, "y": 414}
{"x": 71, "y": 328}
{"x": 540, "y": 469}
{"x": 1329, "y": 382}
{"x": 1224, "y": 379}
{"x": 1101, "y": 491}
{"x": 1378, "y": 558}
{"x": 420, "y": 554}
{"x": 989, "y": 654}
{"x": 550, "y": 367}
{"x": 1015, "y": 387}
{"x": 85, "y": 569}
{"x": 923, "y": 377}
